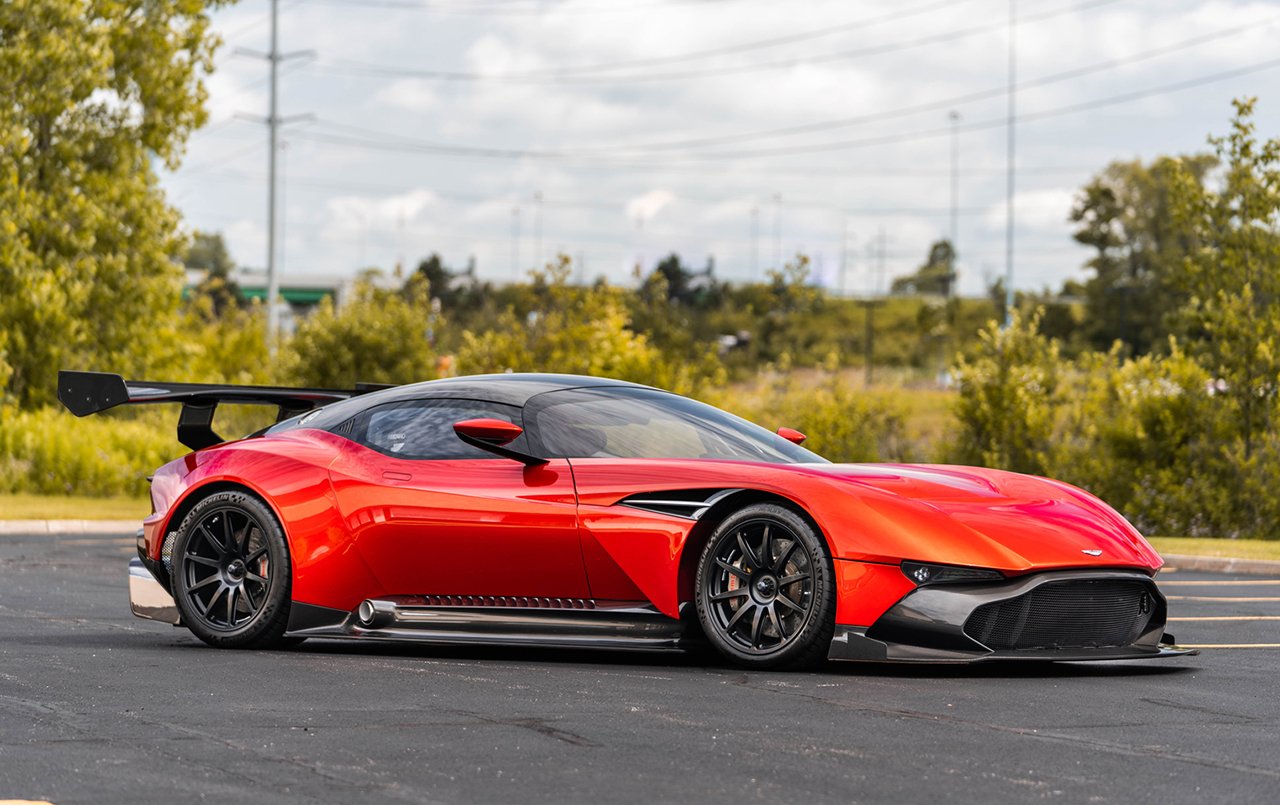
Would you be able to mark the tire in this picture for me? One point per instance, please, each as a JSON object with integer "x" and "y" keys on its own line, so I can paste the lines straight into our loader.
{"x": 766, "y": 589}
{"x": 231, "y": 573}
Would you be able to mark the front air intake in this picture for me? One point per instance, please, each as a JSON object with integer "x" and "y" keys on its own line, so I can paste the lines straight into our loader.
{"x": 1108, "y": 613}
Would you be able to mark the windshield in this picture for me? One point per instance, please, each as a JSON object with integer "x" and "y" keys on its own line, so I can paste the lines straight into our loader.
{"x": 646, "y": 423}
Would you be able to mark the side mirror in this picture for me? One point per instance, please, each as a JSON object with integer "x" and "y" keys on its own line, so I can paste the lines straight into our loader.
{"x": 792, "y": 435}
{"x": 489, "y": 431}
{"x": 493, "y": 435}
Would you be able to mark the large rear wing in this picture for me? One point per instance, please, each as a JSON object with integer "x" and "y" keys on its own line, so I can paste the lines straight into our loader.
{"x": 85, "y": 393}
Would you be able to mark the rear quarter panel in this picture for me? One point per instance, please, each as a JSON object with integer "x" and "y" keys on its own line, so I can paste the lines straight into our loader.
{"x": 289, "y": 471}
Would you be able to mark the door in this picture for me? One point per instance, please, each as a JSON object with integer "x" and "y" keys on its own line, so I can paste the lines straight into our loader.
{"x": 434, "y": 516}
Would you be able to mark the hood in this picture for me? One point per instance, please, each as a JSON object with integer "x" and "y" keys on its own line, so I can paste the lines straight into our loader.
{"x": 991, "y": 518}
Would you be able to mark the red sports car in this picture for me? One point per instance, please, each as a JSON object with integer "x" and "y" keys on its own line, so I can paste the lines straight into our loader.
{"x": 568, "y": 511}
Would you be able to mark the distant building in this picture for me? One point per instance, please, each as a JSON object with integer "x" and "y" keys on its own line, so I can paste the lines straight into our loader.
{"x": 300, "y": 293}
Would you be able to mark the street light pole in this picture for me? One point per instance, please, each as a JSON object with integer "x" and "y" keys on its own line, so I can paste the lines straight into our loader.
{"x": 955, "y": 199}
{"x": 273, "y": 124}
{"x": 1009, "y": 159}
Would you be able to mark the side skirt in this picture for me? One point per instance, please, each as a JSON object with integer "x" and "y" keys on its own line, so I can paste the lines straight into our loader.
{"x": 579, "y": 624}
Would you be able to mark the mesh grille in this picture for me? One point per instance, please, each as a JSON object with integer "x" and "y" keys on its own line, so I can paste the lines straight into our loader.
{"x": 166, "y": 551}
{"x": 1065, "y": 614}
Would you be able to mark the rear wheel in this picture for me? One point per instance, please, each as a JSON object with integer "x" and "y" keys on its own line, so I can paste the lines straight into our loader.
{"x": 766, "y": 595}
{"x": 232, "y": 574}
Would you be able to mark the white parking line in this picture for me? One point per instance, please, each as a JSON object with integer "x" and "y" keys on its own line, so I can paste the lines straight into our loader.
{"x": 1241, "y": 582}
{"x": 1228, "y": 618}
{"x": 1229, "y": 645}
{"x": 1220, "y": 598}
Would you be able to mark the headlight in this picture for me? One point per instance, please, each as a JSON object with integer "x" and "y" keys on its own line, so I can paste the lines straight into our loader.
{"x": 922, "y": 574}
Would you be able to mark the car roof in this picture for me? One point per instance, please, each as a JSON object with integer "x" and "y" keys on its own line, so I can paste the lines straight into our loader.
{"x": 514, "y": 389}
{"x": 509, "y": 388}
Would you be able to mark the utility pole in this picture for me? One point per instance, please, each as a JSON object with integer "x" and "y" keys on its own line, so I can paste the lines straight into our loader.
{"x": 1009, "y": 161}
{"x": 515, "y": 245}
{"x": 755, "y": 243}
{"x": 869, "y": 306}
{"x": 274, "y": 121}
{"x": 537, "y": 229}
{"x": 640, "y": 243}
{"x": 844, "y": 256}
{"x": 273, "y": 125}
{"x": 777, "y": 232}
{"x": 955, "y": 199}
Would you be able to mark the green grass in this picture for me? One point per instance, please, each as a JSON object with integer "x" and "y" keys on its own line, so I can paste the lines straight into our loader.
{"x": 23, "y": 506}
{"x": 1231, "y": 548}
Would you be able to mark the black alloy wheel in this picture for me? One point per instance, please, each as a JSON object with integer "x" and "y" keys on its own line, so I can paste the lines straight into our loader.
{"x": 765, "y": 591}
{"x": 232, "y": 572}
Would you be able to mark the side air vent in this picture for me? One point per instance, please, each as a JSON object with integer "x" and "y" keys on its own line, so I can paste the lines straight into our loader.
{"x": 688, "y": 503}
{"x": 507, "y": 601}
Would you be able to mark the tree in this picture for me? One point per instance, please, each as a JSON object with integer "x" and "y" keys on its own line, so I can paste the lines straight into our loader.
{"x": 578, "y": 331}
{"x": 1231, "y": 319}
{"x": 682, "y": 285}
{"x": 208, "y": 253}
{"x": 936, "y": 276}
{"x": 1010, "y": 390}
{"x": 94, "y": 93}
{"x": 1125, "y": 214}
{"x": 378, "y": 337}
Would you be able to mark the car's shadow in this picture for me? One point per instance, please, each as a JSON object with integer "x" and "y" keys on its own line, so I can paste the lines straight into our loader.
{"x": 706, "y": 660}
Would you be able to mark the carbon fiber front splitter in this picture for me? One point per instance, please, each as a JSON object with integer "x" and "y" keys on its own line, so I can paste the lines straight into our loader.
{"x": 929, "y": 625}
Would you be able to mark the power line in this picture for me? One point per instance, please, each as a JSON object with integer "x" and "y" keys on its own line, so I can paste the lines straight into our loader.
{"x": 580, "y": 75}
{"x": 513, "y": 9}
{"x": 946, "y": 103}
{"x": 743, "y": 47}
{"x": 381, "y": 141}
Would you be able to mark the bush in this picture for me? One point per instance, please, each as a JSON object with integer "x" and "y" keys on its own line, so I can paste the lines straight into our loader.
{"x": 379, "y": 337}
{"x": 1009, "y": 398}
{"x": 580, "y": 331}
{"x": 49, "y": 451}
{"x": 843, "y": 425}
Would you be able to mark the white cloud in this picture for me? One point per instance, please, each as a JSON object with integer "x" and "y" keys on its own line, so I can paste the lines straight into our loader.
{"x": 648, "y": 205}
{"x": 1045, "y": 210}
{"x": 376, "y": 205}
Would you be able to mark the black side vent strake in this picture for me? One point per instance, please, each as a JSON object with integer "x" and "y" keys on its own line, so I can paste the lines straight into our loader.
{"x": 689, "y": 503}
{"x": 1066, "y": 615}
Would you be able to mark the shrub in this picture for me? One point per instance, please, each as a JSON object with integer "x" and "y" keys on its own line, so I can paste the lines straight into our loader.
{"x": 843, "y": 424}
{"x": 49, "y": 451}
{"x": 1009, "y": 398}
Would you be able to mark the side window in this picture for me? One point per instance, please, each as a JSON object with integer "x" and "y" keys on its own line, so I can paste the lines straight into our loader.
{"x": 423, "y": 429}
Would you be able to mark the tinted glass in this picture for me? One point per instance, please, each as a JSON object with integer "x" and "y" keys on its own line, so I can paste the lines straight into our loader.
{"x": 643, "y": 423}
{"x": 423, "y": 429}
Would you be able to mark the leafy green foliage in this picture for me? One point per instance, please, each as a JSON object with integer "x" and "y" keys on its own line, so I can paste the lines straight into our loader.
{"x": 94, "y": 92}
{"x": 577, "y": 331}
{"x": 379, "y": 337}
{"x": 936, "y": 276}
{"x": 842, "y": 424}
{"x": 207, "y": 252}
{"x": 1126, "y": 214}
{"x": 1009, "y": 393}
{"x": 47, "y": 450}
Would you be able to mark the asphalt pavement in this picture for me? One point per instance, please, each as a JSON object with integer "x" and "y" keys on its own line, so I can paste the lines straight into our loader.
{"x": 98, "y": 707}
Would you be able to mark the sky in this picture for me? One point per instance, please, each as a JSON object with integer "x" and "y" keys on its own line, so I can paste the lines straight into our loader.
{"x": 743, "y": 131}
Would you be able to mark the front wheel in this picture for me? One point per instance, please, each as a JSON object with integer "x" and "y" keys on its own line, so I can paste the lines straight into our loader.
{"x": 766, "y": 593}
{"x": 231, "y": 572}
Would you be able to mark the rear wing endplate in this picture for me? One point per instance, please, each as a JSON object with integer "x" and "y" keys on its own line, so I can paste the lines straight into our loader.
{"x": 85, "y": 393}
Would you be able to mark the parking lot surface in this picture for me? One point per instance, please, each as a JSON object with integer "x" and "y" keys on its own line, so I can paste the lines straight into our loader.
{"x": 98, "y": 707}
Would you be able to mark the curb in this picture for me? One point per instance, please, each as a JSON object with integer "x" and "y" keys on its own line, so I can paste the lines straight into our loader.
{"x": 1222, "y": 564}
{"x": 70, "y": 526}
